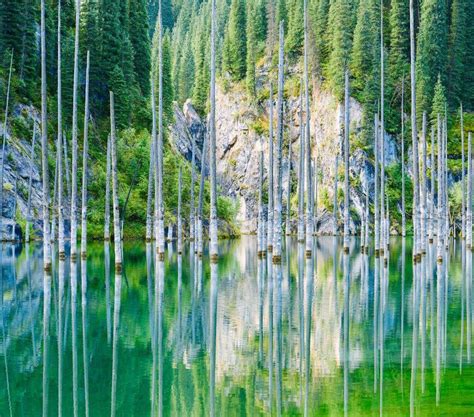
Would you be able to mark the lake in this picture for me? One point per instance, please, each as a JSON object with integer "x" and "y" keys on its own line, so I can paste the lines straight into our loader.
{"x": 332, "y": 335}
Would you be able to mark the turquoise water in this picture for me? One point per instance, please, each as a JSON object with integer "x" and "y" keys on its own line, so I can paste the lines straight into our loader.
{"x": 332, "y": 335}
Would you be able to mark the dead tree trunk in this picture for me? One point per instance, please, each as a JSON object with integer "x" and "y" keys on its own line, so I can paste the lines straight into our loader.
{"x": 85, "y": 156}
{"x": 115, "y": 202}
{"x": 60, "y": 147}
{"x": 270, "y": 174}
{"x": 346, "y": 162}
{"x": 30, "y": 183}
{"x": 107, "y": 191}
{"x": 301, "y": 228}
{"x": 402, "y": 116}
{"x": 44, "y": 146}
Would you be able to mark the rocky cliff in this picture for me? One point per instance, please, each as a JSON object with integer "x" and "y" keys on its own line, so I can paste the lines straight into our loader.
{"x": 242, "y": 128}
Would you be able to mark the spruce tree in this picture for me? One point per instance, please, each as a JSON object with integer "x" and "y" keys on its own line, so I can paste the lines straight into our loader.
{"x": 235, "y": 41}
{"x": 398, "y": 60}
{"x": 294, "y": 39}
{"x": 431, "y": 51}
{"x": 251, "y": 51}
{"x": 457, "y": 51}
{"x": 139, "y": 37}
{"x": 439, "y": 101}
{"x": 119, "y": 86}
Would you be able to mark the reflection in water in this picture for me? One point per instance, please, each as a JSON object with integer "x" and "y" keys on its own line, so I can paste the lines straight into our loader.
{"x": 332, "y": 334}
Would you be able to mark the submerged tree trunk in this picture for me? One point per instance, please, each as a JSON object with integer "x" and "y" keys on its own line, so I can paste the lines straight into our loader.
{"x": 60, "y": 147}
{"x": 261, "y": 217}
{"x": 376, "y": 187}
{"x": 160, "y": 218}
{"x": 270, "y": 173}
{"x": 414, "y": 136}
{"x": 179, "y": 232}
{"x": 382, "y": 135}
{"x": 74, "y": 136}
{"x": 440, "y": 222}
{"x": 192, "y": 223}
{"x": 85, "y": 156}
{"x": 4, "y": 142}
{"x": 432, "y": 188}
{"x": 334, "y": 207}
{"x": 463, "y": 180}
{"x": 213, "y": 249}
{"x": 66, "y": 167}
{"x": 30, "y": 183}
{"x": 107, "y": 191}
{"x": 149, "y": 213}
{"x": 288, "y": 196}
{"x": 199, "y": 246}
{"x": 423, "y": 219}
{"x": 367, "y": 227}
{"x": 44, "y": 146}
{"x": 301, "y": 229}
{"x": 402, "y": 116}
{"x": 115, "y": 200}
{"x": 54, "y": 206}
{"x": 309, "y": 179}
{"x": 278, "y": 188}
{"x": 12, "y": 236}
{"x": 346, "y": 162}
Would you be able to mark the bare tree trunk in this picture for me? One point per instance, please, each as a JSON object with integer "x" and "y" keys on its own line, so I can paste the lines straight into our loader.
{"x": 469, "y": 193}
{"x": 179, "y": 232}
{"x": 12, "y": 236}
{"x": 4, "y": 142}
{"x": 376, "y": 187}
{"x": 463, "y": 180}
{"x": 155, "y": 160}
{"x": 423, "y": 220}
{"x": 30, "y": 181}
{"x": 270, "y": 174}
{"x": 192, "y": 222}
{"x": 402, "y": 116}
{"x": 414, "y": 136}
{"x": 309, "y": 179}
{"x": 367, "y": 223}
{"x": 382, "y": 135}
{"x": 54, "y": 205}
{"x": 301, "y": 228}
{"x": 261, "y": 220}
{"x": 115, "y": 202}
{"x": 85, "y": 156}
{"x": 59, "y": 146}
{"x": 199, "y": 246}
{"x": 213, "y": 249}
{"x": 334, "y": 207}
{"x": 74, "y": 136}
{"x": 440, "y": 196}
{"x": 161, "y": 221}
{"x": 278, "y": 189}
{"x": 66, "y": 166}
{"x": 432, "y": 189}
{"x": 445, "y": 177}
{"x": 44, "y": 146}
{"x": 107, "y": 191}
{"x": 346, "y": 162}
{"x": 288, "y": 198}
{"x": 149, "y": 212}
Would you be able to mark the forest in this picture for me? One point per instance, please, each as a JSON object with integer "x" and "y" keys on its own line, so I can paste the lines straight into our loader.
{"x": 121, "y": 37}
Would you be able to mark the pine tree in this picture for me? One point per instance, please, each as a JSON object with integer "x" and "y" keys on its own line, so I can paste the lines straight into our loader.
{"x": 439, "y": 101}
{"x": 431, "y": 51}
{"x": 235, "y": 41}
{"x": 457, "y": 50}
{"x": 141, "y": 43}
{"x": 281, "y": 14}
{"x": 251, "y": 51}
{"x": 398, "y": 60}
{"x": 110, "y": 33}
{"x": 294, "y": 39}
{"x": 340, "y": 22}
{"x": 122, "y": 97}
{"x": 318, "y": 23}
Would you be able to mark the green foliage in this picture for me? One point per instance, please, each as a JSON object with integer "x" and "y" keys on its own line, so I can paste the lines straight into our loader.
{"x": 235, "y": 41}
{"x": 439, "y": 101}
{"x": 251, "y": 51}
{"x": 118, "y": 86}
{"x": 295, "y": 38}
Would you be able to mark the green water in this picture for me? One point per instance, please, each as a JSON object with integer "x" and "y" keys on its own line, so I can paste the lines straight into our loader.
{"x": 332, "y": 335}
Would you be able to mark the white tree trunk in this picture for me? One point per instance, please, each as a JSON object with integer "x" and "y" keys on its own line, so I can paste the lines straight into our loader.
{"x": 432, "y": 189}
{"x": 59, "y": 146}
{"x": 463, "y": 180}
{"x": 213, "y": 249}
{"x": 85, "y": 156}
{"x": 192, "y": 223}
{"x": 74, "y": 136}
{"x": 149, "y": 209}
{"x": 30, "y": 181}
{"x": 367, "y": 223}
{"x": 4, "y": 142}
{"x": 309, "y": 179}
{"x": 261, "y": 216}
{"x": 335, "y": 203}
{"x": 402, "y": 116}
{"x": 301, "y": 228}
{"x": 469, "y": 193}
{"x": 107, "y": 191}
{"x": 66, "y": 166}
{"x": 414, "y": 136}
{"x": 376, "y": 187}
{"x": 382, "y": 135}
{"x": 44, "y": 146}
{"x": 440, "y": 222}
{"x": 278, "y": 189}
{"x": 346, "y": 162}
{"x": 288, "y": 197}
{"x": 200, "y": 243}
{"x": 54, "y": 205}
{"x": 270, "y": 173}
{"x": 423, "y": 219}
{"x": 115, "y": 199}
{"x": 179, "y": 232}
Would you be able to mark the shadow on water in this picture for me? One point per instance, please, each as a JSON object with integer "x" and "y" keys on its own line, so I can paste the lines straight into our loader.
{"x": 329, "y": 334}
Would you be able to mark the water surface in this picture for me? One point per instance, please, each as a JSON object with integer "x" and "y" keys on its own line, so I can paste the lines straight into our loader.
{"x": 331, "y": 335}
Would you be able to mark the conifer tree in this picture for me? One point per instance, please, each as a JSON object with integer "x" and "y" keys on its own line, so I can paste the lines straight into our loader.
{"x": 294, "y": 39}
{"x": 122, "y": 98}
{"x": 235, "y": 41}
{"x": 398, "y": 59}
{"x": 251, "y": 51}
{"x": 431, "y": 51}
{"x": 439, "y": 100}
{"x": 139, "y": 37}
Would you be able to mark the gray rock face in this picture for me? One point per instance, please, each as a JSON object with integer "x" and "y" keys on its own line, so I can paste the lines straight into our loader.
{"x": 240, "y": 137}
